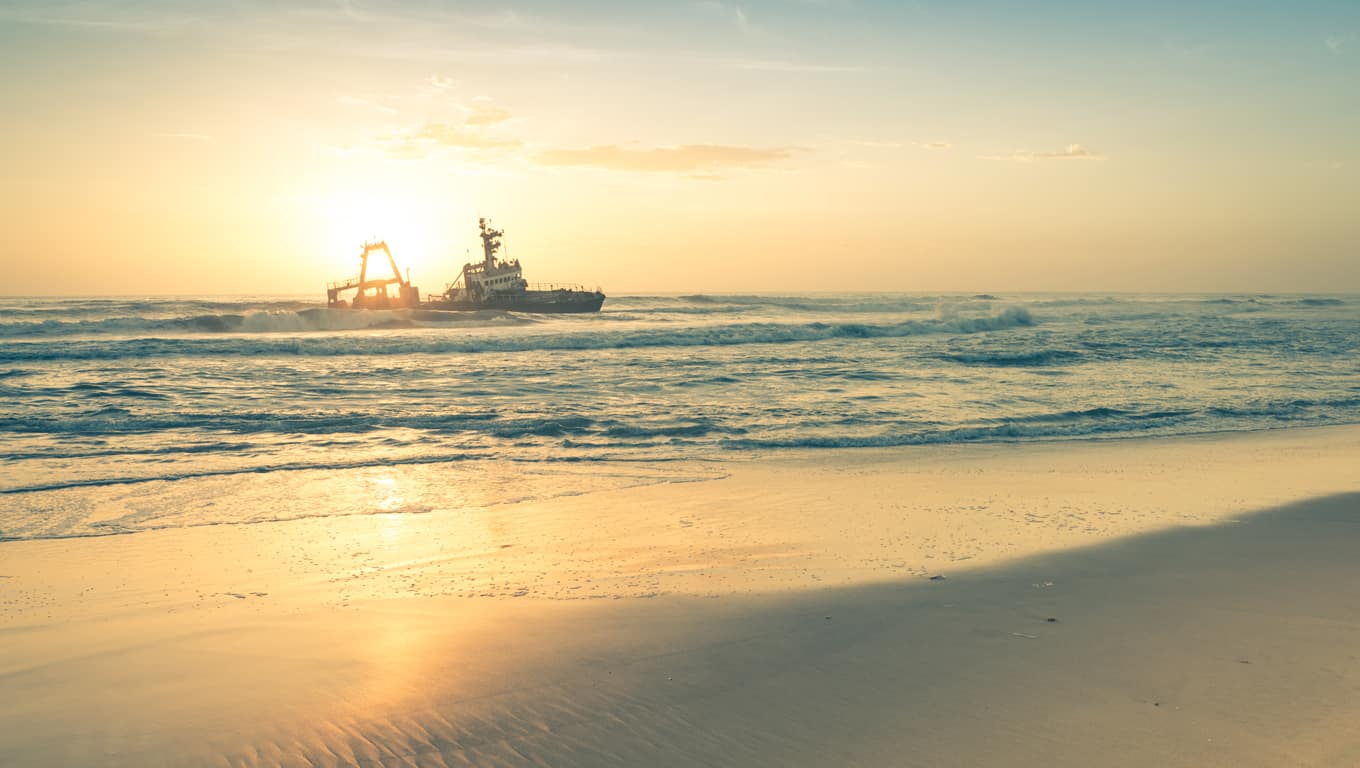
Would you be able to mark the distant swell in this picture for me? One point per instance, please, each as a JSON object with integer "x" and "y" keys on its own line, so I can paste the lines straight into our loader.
{"x": 868, "y": 305}
{"x": 704, "y": 336}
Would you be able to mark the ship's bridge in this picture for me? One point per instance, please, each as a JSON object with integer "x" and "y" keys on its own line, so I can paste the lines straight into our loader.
{"x": 501, "y": 277}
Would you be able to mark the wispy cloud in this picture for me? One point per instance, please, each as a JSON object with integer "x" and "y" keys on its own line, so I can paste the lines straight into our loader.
{"x": 1072, "y": 152}
{"x": 439, "y": 83}
{"x": 474, "y": 133}
{"x": 347, "y": 8}
{"x": 75, "y": 16}
{"x": 114, "y": 17}
{"x": 693, "y": 159}
{"x": 934, "y": 145}
{"x": 484, "y": 113}
{"x": 359, "y": 101}
{"x": 734, "y": 13}
{"x": 421, "y": 140}
{"x": 1338, "y": 43}
{"x": 781, "y": 65}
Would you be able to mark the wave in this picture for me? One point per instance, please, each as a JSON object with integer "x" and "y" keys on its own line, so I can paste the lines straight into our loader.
{"x": 326, "y": 346}
{"x": 1088, "y": 423}
{"x": 1285, "y": 409}
{"x": 292, "y": 467}
{"x": 163, "y": 452}
{"x": 697, "y": 429}
{"x": 1092, "y": 423}
{"x": 1012, "y": 430}
{"x": 1318, "y": 302}
{"x": 114, "y": 421}
{"x": 305, "y": 320}
{"x": 1018, "y": 359}
{"x": 150, "y": 308}
{"x": 1100, "y": 412}
{"x": 851, "y": 304}
{"x": 481, "y": 430}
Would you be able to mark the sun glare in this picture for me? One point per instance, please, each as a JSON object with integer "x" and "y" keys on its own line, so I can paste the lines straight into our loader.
{"x": 410, "y": 226}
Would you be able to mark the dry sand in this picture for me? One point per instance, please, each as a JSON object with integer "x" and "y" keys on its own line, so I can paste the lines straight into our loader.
{"x": 1205, "y": 597}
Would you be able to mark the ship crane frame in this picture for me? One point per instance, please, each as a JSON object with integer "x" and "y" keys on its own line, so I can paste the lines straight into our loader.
{"x": 407, "y": 295}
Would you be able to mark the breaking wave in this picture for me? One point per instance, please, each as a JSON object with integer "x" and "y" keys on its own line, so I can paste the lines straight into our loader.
{"x": 288, "y": 320}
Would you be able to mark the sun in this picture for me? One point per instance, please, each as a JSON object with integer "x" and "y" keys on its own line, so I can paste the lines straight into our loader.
{"x": 415, "y": 228}
{"x": 351, "y": 218}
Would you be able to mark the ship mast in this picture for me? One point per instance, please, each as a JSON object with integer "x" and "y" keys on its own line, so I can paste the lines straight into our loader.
{"x": 491, "y": 242}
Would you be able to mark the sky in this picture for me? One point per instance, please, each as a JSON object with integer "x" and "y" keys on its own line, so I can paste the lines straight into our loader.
{"x": 232, "y": 147}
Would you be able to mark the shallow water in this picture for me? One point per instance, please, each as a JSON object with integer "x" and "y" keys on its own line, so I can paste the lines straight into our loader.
{"x": 125, "y": 414}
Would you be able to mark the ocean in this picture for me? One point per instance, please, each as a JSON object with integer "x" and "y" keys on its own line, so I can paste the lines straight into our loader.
{"x": 130, "y": 414}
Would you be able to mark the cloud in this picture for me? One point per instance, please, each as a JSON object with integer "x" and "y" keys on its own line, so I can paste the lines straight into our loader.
{"x": 72, "y": 15}
{"x": 439, "y": 82}
{"x": 693, "y": 159}
{"x": 1338, "y": 43}
{"x": 935, "y": 145}
{"x": 464, "y": 136}
{"x": 359, "y": 101}
{"x": 425, "y": 139}
{"x": 735, "y": 13}
{"x": 347, "y": 8}
{"x": 475, "y": 131}
{"x": 1072, "y": 152}
{"x": 483, "y": 113}
{"x": 780, "y": 65}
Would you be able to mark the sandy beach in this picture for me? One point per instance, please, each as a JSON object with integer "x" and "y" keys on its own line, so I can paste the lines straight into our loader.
{"x": 1179, "y": 601}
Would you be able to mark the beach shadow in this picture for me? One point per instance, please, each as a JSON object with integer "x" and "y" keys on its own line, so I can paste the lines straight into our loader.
{"x": 1232, "y": 644}
{"x": 1227, "y": 644}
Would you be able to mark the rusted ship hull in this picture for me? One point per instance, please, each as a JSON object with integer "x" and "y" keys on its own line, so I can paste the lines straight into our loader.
{"x": 544, "y": 302}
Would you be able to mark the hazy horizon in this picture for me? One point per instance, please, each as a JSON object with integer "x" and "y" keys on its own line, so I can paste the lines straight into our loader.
{"x": 952, "y": 293}
{"x": 159, "y": 148}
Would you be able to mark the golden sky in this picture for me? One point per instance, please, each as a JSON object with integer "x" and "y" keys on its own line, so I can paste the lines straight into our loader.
{"x": 787, "y": 145}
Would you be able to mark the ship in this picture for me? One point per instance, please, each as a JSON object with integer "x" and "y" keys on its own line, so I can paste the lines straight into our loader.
{"x": 496, "y": 283}
{"x": 492, "y": 283}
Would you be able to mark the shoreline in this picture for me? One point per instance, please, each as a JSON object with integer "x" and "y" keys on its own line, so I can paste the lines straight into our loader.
{"x": 766, "y": 457}
{"x": 1201, "y": 586}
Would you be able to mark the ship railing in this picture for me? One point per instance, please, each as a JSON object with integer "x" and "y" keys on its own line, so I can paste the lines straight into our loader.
{"x": 353, "y": 282}
{"x": 557, "y": 287}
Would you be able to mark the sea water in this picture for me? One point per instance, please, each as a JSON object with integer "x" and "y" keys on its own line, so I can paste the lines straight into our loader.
{"x": 120, "y": 415}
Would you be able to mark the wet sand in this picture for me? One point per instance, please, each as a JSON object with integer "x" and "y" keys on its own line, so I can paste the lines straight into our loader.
{"x": 1202, "y": 593}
